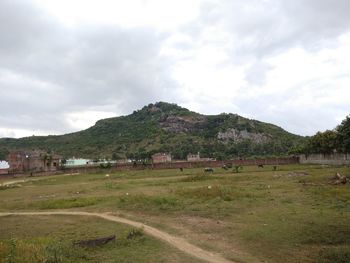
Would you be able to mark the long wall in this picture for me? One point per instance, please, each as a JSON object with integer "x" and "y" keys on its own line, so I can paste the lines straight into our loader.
{"x": 332, "y": 159}
{"x": 4, "y": 171}
{"x": 185, "y": 164}
{"x": 169, "y": 165}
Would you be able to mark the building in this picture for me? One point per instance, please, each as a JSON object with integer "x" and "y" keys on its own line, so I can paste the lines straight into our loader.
{"x": 197, "y": 158}
{"x": 4, "y": 167}
{"x": 77, "y": 162}
{"x": 161, "y": 158}
{"x": 193, "y": 157}
{"x": 32, "y": 161}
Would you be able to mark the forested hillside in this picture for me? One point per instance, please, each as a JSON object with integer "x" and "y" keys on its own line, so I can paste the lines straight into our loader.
{"x": 164, "y": 127}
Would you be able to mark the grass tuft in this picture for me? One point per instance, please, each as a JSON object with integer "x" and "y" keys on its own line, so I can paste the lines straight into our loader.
{"x": 68, "y": 203}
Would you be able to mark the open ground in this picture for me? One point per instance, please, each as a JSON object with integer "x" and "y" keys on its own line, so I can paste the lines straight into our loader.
{"x": 291, "y": 214}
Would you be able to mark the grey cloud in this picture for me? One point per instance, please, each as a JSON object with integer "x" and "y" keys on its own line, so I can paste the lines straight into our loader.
{"x": 261, "y": 29}
{"x": 48, "y": 70}
{"x": 283, "y": 109}
{"x": 266, "y": 27}
{"x": 256, "y": 73}
{"x": 55, "y": 70}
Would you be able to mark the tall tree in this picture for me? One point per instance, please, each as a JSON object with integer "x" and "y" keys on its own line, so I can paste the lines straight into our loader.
{"x": 323, "y": 142}
{"x": 343, "y": 135}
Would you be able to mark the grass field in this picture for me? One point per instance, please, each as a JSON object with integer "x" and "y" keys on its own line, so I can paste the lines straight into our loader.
{"x": 50, "y": 239}
{"x": 257, "y": 215}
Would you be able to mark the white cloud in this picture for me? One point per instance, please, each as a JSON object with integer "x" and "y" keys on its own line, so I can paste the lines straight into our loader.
{"x": 162, "y": 14}
{"x": 85, "y": 119}
{"x": 18, "y": 133}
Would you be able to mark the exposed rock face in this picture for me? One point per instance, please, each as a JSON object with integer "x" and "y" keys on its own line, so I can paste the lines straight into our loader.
{"x": 183, "y": 124}
{"x": 239, "y": 136}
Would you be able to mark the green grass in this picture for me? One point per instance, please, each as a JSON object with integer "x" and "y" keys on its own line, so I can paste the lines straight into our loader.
{"x": 51, "y": 238}
{"x": 68, "y": 203}
{"x": 291, "y": 214}
{"x": 334, "y": 254}
{"x": 150, "y": 202}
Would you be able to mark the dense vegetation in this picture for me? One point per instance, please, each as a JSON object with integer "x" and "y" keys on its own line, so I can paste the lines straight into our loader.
{"x": 337, "y": 140}
{"x": 162, "y": 127}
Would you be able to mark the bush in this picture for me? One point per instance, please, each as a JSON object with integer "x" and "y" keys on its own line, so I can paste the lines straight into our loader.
{"x": 105, "y": 165}
{"x": 68, "y": 203}
{"x": 134, "y": 233}
{"x": 237, "y": 168}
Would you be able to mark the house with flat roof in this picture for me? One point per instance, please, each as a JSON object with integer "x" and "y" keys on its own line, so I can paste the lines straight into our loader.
{"x": 32, "y": 161}
{"x": 161, "y": 158}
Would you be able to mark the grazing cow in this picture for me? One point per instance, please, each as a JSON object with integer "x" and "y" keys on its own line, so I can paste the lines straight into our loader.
{"x": 181, "y": 169}
{"x": 260, "y": 165}
{"x": 208, "y": 170}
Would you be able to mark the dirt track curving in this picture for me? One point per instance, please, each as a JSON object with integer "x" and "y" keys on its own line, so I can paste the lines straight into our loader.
{"x": 177, "y": 242}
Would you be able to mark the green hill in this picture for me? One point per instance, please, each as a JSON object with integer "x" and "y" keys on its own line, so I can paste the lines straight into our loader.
{"x": 164, "y": 127}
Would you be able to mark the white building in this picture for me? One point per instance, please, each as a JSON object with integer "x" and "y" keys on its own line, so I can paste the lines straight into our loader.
{"x": 77, "y": 162}
{"x": 4, "y": 165}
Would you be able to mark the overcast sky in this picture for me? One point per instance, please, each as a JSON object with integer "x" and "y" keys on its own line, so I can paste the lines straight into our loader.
{"x": 64, "y": 64}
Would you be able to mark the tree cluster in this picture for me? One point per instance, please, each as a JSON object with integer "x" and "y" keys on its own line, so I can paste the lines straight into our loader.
{"x": 337, "y": 140}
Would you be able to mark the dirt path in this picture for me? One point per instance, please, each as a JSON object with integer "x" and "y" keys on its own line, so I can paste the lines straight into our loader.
{"x": 26, "y": 180}
{"x": 18, "y": 181}
{"x": 177, "y": 242}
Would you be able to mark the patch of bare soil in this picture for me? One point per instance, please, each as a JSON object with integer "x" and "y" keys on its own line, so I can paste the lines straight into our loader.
{"x": 205, "y": 232}
{"x": 296, "y": 174}
{"x": 291, "y": 174}
{"x": 213, "y": 234}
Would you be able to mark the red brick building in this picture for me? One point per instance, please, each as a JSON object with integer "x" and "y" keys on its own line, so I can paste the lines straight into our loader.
{"x": 32, "y": 161}
{"x": 161, "y": 158}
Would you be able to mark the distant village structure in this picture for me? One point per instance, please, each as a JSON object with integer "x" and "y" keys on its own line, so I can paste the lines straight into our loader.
{"x": 32, "y": 161}
{"x": 196, "y": 158}
{"x": 161, "y": 158}
{"x": 193, "y": 157}
{"x": 36, "y": 161}
{"x": 4, "y": 167}
{"x": 77, "y": 162}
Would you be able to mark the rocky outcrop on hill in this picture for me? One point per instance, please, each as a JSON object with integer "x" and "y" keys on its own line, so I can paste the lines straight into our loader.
{"x": 182, "y": 124}
{"x": 237, "y": 136}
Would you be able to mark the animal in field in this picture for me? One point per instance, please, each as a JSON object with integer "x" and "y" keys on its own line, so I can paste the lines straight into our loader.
{"x": 208, "y": 170}
{"x": 260, "y": 165}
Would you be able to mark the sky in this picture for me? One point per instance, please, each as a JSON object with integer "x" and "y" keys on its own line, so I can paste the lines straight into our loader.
{"x": 64, "y": 64}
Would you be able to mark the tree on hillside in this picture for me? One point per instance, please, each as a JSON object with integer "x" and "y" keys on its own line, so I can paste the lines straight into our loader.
{"x": 343, "y": 135}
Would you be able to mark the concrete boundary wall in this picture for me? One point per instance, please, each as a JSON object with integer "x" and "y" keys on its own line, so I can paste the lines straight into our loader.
{"x": 330, "y": 159}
